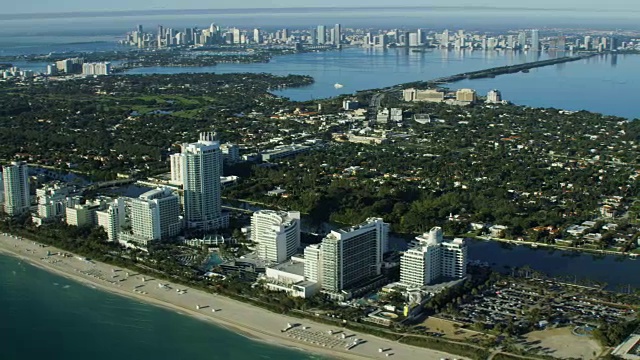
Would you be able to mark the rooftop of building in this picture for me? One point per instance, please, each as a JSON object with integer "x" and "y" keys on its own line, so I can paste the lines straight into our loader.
{"x": 283, "y": 148}
{"x": 155, "y": 194}
{"x": 291, "y": 267}
{"x": 284, "y": 217}
{"x": 366, "y": 224}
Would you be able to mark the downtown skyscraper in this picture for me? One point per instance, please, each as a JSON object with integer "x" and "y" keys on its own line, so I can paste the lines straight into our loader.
{"x": 337, "y": 35}
{"x": 321, "y": 35}
{"x": 535, "y": 40}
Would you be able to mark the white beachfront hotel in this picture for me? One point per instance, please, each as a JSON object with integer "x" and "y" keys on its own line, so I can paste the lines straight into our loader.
{"x": 345, "y": 260}
{"x": 276, "y": 233}
{"x": 113, "y": 218}
{"x": 198, "y": 169}
{"x": 347, "y": 257}
{"x": 155, "y": 215}
{"x": 430, "y": 259}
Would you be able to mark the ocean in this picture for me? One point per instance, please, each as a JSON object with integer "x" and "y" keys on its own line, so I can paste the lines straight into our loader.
{"x": 43, "y": 315}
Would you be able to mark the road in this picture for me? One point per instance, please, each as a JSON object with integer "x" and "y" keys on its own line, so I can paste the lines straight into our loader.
{"x": 374, "y": 105}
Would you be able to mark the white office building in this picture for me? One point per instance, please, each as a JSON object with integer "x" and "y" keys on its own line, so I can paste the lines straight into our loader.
{"x": 347, "y": 258}
{"x": 113, "y": 219}
{"x": 276, "y": 233}
{"x": 198, "y": 168}
{"x": 16, "y": 188}
{"x": 430, "y": 259}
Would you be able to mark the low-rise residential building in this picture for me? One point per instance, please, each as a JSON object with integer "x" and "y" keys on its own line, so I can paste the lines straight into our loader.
{"x": 283, "y": 151}
{"x": 498, "y": 231}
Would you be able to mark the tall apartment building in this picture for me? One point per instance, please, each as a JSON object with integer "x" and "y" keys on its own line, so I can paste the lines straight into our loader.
{"x": 113, "y": 219}
{"x": 155, "y": 215}
{"x": 348, "y": 257}
{"x": 466, "y": 96}
{"x": 1, "y": 191}
{"x": 198, "y": 168}
{"x": 276, "y": 233}
{"x": 313, "y": 263}
{"x": 176, "y": 168}
{"x": 70, "y": 66}
{"x": 430, "y": 259}
{"x": 15, "y": 179}
{"x": 102, "y": 68}
{"x": 168, "y": 209}
{"x": 494, "y": 97}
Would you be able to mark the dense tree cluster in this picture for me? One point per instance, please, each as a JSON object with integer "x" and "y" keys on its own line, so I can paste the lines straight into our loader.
{"x": 508, "y": 165}
{"x": 122, "y": 123}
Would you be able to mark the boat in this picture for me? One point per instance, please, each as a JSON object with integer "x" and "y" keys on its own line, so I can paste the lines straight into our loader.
{"x": 338, "y": 86}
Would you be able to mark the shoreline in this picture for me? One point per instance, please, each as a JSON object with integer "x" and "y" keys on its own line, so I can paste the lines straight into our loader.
{"x": 536, "y": 245}
{"x": 254, "y": 323}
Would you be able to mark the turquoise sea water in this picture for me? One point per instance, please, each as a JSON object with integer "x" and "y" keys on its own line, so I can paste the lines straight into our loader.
{"x": 45, "y": 316}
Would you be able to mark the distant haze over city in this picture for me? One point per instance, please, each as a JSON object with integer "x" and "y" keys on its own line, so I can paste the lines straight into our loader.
{"x": 65, "y": 21}
{"x": 44, "y": 6}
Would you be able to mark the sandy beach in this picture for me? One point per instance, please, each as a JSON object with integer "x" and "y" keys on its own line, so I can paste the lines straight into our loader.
{"x": 246, "y": 319}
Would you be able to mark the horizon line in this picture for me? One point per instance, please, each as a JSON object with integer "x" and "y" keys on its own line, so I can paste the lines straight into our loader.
{"x": 163, "y": 11}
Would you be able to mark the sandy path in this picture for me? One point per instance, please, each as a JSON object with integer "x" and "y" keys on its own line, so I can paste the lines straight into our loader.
{"x": 244, "y": 318}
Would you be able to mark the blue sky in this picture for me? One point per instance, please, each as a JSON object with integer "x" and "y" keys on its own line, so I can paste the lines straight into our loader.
{"x": 40, "y": 6}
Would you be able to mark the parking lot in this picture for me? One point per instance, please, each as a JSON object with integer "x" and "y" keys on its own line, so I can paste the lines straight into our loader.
{"x": 520, "y": 306}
